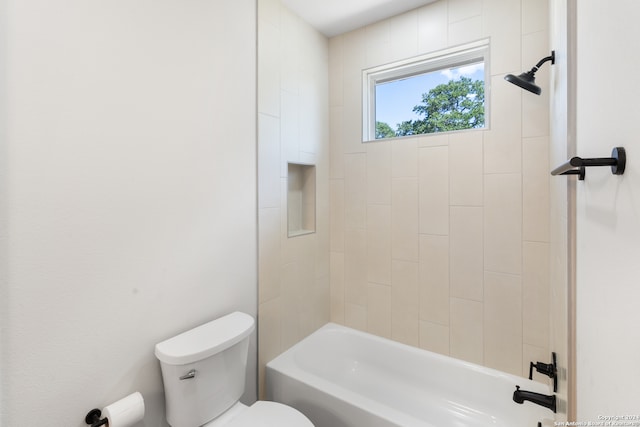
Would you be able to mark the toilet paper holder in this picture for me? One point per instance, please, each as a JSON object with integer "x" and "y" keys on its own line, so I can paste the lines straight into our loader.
{"x": 93, "y": 418}
{"x": 123, "y": 413}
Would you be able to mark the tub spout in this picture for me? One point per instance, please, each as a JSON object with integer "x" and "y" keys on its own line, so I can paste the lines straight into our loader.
{"x": 519, "y": 396}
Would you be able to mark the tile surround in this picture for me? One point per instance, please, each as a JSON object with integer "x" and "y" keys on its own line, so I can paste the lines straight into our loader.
{"x": 437, "y": 241}
{"x": 466, "y": 252}
{"x": 468, "y": 210}
{"x": 299, "y": 277}
{"x": 434, "y": 279}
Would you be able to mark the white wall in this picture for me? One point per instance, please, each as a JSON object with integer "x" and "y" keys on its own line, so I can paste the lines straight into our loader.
{"x": 608, "y": 214}
{"x": 128, "y": 194}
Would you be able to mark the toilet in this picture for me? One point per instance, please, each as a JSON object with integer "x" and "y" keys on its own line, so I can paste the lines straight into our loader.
{"x": 204, "y": 370}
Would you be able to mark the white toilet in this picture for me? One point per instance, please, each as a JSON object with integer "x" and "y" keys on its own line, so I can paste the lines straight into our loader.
{"x": 204, "y": 375}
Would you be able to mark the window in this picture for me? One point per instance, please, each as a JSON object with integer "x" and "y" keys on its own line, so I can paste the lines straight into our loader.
{"x": 439, "y": 92}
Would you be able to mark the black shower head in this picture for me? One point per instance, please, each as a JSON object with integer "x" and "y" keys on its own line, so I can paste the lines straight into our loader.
{"x": 527, "y": 80}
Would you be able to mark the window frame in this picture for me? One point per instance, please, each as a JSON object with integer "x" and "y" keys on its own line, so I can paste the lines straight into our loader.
{"x": 453, "y": 57}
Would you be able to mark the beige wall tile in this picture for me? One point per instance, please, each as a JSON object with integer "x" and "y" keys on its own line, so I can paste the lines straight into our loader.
{"x": 500, "y": 22}
{"x": 432, "y": 27}
{"x": 318, "y": 306}
{"x": 268, "y": 161}
{"x": 337, "y": 212}
{"x": 503, "y": 322}
{"x": 466, "y": 339}
{"x": 352, "y": 123}
{"x": 270, "y": 324}
{"x": 378, "y": 45}
{"x": 269, "y": 247}
{"x": 403, "y": 35}
{"x": 503, "y": 223}
{"x": 379, "y": 244}
{"x": 502, "y": 144}
{"x": 434, "y": 337}
{"x": 355, "y": 181}
{"x": 269, "y": 336}
{"x": 433, "y": 140}
{"x": 355, "y": 316}
{"x": 535, "y": 16}
{"x": 355, "y": 267}
{"x": 290, "y": 50}
{"x": 405, "y": 244}
{"x": 405, "y": 320}
{"x": 404, "y": 158}
{"x": 323, "y": 239}
{"x": 379, "y": 310}
{"x": 290, "y": 304}
{"x": 354, "y": 52}
{"x": 379, "y": 172}
{"x": 269, "y": 68}
{"x": 337, "y": 287}
{"x": 460, "y": 10}
{"x": 336, "y": 72}
{"x": 536, "y": 294}
{"x": 379, "y": 217}
{"x": 465, "y": 31}
{"x": 307, "y": 258}
{"x": 434, "y": 279}
{"x": 313, "y": 131}
{"x": 377, "y": 34}
{"x": 289, "y": 129}
{"x": 289, "y": 247}
{"x": 336, "y": 142}
{"x": 535, "y": 189}
{"x": 434, "y": 190}
{"x": 466, "y": 253}
{"x": 535, "y": 109}
{"x": 465, "y": 168}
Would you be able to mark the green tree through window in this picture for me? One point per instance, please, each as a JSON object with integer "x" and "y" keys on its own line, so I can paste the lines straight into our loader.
{"x": 383, "y": 130}
{"x": 456, "y": 105}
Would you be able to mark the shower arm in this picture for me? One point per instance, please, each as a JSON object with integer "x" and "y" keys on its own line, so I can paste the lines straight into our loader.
{"x": 551, "y": 58}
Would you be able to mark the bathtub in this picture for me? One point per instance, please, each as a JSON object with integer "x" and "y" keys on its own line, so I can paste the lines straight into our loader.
{"x": 340, "y": 377}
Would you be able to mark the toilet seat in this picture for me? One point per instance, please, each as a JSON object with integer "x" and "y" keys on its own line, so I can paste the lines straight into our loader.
{"x": 269, "y": 414}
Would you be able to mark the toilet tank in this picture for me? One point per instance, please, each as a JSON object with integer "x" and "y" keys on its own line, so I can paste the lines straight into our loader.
{"x": 203, "y": 369}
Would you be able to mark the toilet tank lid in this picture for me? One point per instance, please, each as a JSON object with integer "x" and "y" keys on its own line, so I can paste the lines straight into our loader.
{"x": 205, "y": 340}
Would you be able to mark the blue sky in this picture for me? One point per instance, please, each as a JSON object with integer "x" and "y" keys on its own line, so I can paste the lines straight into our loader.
{"x": 395, "y": 100}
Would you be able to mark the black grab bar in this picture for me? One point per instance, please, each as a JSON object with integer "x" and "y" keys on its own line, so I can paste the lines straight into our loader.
{"x": 617, "y": 161}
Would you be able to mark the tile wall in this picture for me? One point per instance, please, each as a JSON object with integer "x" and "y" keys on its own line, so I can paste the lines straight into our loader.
{"x": 293, "y": 126}
{"x": 442, "y": 241}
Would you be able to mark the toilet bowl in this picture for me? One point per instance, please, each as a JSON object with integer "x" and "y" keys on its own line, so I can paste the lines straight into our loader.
{"x": 262, "y": 414}
{"x": 203, "y": 371}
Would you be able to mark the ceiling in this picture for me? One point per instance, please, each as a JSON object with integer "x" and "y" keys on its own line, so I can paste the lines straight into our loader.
{"x": 333, "y": 17}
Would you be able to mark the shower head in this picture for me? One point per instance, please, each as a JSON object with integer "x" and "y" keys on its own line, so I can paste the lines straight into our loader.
{"x": 527, "y": 79}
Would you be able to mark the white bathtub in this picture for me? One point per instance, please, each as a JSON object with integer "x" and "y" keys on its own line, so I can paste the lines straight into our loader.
{"x": 340, "y": 377}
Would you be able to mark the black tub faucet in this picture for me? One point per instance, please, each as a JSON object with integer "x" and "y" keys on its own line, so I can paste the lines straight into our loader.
{"x": 519, "y": 396}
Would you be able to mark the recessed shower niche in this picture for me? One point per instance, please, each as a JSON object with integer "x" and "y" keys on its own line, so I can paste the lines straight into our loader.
{"x": 301, "y": 199}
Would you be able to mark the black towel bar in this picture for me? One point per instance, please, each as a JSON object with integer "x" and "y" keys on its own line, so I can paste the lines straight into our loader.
{"x": 617, "y": 161}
